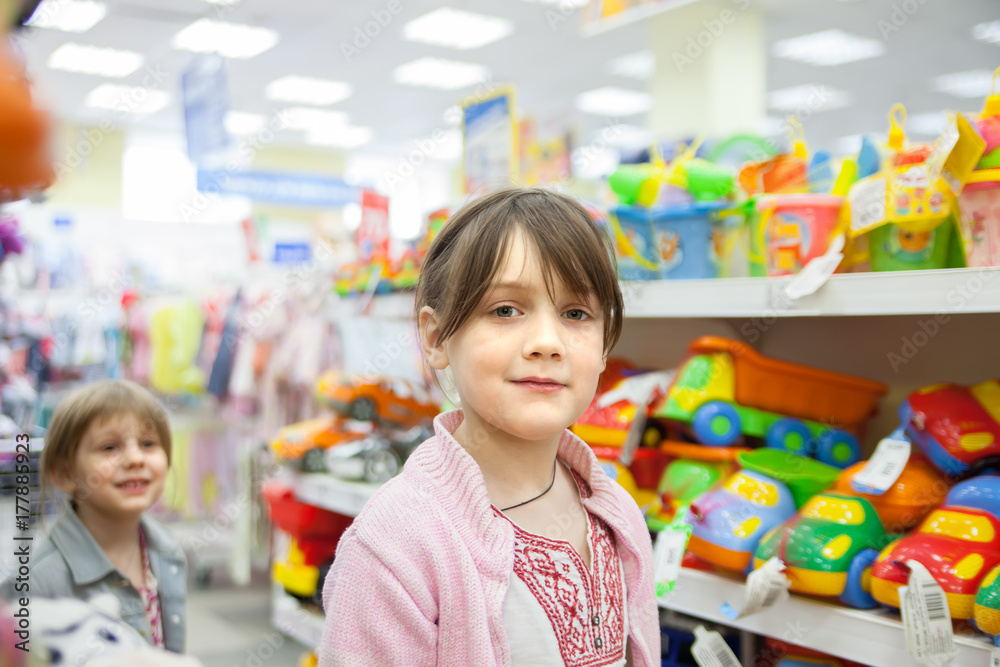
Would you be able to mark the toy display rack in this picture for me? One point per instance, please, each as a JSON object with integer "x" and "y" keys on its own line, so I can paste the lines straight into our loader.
{"x": 871, "y": 637}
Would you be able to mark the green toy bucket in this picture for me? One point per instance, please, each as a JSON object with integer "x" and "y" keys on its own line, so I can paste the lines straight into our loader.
{"x": 803, "y": 477}
{"x": 893, "y": 248}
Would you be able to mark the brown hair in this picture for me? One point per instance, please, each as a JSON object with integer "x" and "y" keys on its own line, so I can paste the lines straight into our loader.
{"x": 467, "y": 254}
{"x": 82, "y": 407}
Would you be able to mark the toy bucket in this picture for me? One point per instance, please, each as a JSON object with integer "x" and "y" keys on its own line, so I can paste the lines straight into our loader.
{"x": 979, "y": 223}
{"x": 895, "y": 248}
{"x": 789, "y": 230}
{"x": 632, "y": 233}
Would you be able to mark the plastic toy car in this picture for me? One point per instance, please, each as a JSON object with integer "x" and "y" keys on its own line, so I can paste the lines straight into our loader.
{"x": 916, "y": 492}
{"x": 828, "y": 548}
{"x": 957, "y": 545}
{"x": 730, "y": 521}
{"x": 389, "y": 401}
{"x": 956, "y": 426}
{"x": 376, "y": 458}
{"x": 726, "y": 390}
{"x": 304, "y": 442}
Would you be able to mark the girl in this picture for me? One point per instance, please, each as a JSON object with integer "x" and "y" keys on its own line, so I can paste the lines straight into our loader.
{"x": 503, "y": 542}
{"x": 108, "y": 449}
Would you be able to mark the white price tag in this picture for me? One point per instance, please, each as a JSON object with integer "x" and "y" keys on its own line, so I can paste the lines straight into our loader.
{"x": 819, "y": 269}
{"x": 668, "y": 553}
{"x": 711, "y": 650}
{"x": 885, "y": 465}
{"x": 926, "y": 619}
{"x": 995, "y": 657}
{"x": 765, "y": 586}
{"x": 867, "y": 200}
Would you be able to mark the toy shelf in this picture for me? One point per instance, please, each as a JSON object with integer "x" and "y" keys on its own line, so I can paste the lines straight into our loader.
{"x": 330, "y": 493}
{"x": 948, "y": 291}
{"x": 290, "y": 617}
{"x": 872, "y": 637}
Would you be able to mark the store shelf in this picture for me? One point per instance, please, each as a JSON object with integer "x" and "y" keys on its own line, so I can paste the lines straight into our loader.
{"x": 872, "y": 637}
{"x": 290, "y": 617}
{"x": 946, "y": 291}
{"x": 331, "y": 493}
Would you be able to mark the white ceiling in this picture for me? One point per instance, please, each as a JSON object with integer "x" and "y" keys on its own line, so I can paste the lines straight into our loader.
{"x": 550, "y": 65}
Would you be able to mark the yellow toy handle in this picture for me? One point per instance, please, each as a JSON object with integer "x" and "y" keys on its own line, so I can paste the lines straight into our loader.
{"x": 897, "y": 137}
{"x": 627, "y": 245}
{"x": 992, "y": 107}
{"x": 797, "y": 135}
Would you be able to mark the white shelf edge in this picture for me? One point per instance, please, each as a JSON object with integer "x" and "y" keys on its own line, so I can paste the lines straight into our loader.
{"x": 931, "y": 292}
{"x": 330, "y": 493}
{"x": 870, "y": 637}
{"x": 290, "y": 618}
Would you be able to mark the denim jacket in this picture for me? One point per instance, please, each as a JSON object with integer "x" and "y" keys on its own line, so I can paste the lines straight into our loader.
{"x": 70, "y": 563}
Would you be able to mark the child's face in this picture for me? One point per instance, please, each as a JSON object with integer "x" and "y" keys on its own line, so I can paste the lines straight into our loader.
{"x": 119, "y": 468}
{"x": 523, "y": 362}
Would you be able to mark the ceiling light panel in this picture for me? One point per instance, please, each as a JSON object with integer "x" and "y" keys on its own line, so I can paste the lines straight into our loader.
{"x": 457, "y": 29}
{"x": 639, "y": 65}
{"x": 307, "y": 90}
{"x": 440, "y": 73}
{"x": 127, "y": 99}
{"x": 232, "y": 40}
{"x": 987, "y": 32}
{"x": 827, "y": 48}
{"x": 68, "y": 15}
{"x": 573, "y": 4}
{"x": 612, "y": 101}
{"x": 242, "y": 123}
{"x": 972, "y": 83}
{"x": 808, "y": 98}
{"x": 83, "y": 59}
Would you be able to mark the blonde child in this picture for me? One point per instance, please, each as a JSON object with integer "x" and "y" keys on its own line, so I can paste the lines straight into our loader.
{"x": 503, "y": 542}
{"x": 108, "y": 449}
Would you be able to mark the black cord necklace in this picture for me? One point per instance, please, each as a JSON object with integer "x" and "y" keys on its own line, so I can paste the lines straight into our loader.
{"x": 540, "y": 494}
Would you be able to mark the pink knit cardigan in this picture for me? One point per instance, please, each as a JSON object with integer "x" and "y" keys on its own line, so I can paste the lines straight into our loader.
{"x": 420, "y": 577}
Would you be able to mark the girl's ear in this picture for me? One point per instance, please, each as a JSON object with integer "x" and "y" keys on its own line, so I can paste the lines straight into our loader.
{"x": 63, "y": 479}
{"x": 435, "y": 353}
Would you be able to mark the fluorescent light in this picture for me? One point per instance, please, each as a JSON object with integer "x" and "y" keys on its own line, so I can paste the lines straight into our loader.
{"x": 612, "y": 101}
{"x": 933, "y": 123}
{"x": 72, "y": 57}
{"x": 308, "y": 118}
{"x": 457, "y": 29}
{"x": 972, "y": 83}
{"x": 829, "y": 47}
{"x": 987, "y": 32}
{"x": 307, "y": 90}
{"x": 231, "y": 40}
{"x": 808, "y": 98}
{"x": 639, "y": 65}
{"x": 68, "y": 15}
{"x": 127, "y": 99}
{"x": 226, "y": 3}
{"x": 243, "y": 123}
{"x": 574, "y": 4}
{"x": 339, "y": 136}
{"x": 440, "y": 73}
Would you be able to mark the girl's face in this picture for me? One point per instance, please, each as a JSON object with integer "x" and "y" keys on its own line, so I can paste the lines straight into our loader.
{"x": 524, "y": 363}
{"x": 119, "y": 469}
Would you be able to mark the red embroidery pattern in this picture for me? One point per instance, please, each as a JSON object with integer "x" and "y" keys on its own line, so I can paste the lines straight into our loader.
{"x": 572, "y": 597}
{"x": 151, "y": 598}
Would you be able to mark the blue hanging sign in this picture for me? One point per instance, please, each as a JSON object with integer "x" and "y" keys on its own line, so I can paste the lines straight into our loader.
{"x": 278, "y": 188}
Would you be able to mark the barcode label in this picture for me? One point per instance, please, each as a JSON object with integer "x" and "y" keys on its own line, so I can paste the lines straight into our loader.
{"x": 711, "y": 650}
{"x": 667, "y": 556}
{"x": 774, "y": 589}
{"x": 926, "y": 618}
{"x": 764, "y": 588}
{"x": 995, "y": 657}
{"x": 885, "y": 465}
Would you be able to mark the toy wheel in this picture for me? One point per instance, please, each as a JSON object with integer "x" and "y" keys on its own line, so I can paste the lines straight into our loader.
{"x": 790, "y": 435}
{"x": 838, "y": 448}
{"x": 313, "y": 461}
{"x": 856, "y": 593}
{"x": 363, "y": 410}
{"x": 717, "y": 424}
{"x": 653, "y": 435}
{"x": 381, "y": 466}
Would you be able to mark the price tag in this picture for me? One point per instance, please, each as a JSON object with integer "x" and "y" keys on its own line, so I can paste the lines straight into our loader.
{"x": 995, "y": 657}
{"x": 926, "y": 620}
{"x": 765, "y": 586}
{"x": 867, "y": 198}
{"x": 711, "y": 650}
{"x": 885, "y": 465}
{"x": 819, "y": 269}
{"x": 668, "y": 552}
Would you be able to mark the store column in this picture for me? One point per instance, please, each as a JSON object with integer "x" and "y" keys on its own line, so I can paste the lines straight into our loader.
{"x": 711, "y": 66}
